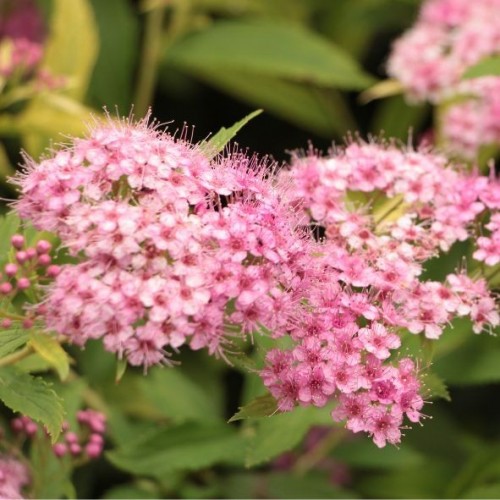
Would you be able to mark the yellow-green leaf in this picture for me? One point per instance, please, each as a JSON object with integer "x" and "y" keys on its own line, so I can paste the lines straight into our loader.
{"x": 73, "y": 44}
{"x": 50, "y": 350}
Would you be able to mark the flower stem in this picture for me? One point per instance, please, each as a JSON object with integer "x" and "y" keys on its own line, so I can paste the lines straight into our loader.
{"x": 307, "y": 461}
{"x": 16, "y": 356}
{"x": 148, "y": 69}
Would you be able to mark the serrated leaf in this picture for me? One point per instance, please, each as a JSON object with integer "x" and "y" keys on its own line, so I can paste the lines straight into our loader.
{"x": 434, "y": 387}
{"x": 185, "y": 447}
{"x": 50, "y": 350}
{"x": 33, "y": 397}
{"x": 10, "y": 340}
{"x": 282, "y": 432}
{"x": 217, "y": 143}
{"x": 178, "y": 397}
{"x": 269, "y": 49}
{"x": 263, "y": 406}
{"x": 486, "y": 67}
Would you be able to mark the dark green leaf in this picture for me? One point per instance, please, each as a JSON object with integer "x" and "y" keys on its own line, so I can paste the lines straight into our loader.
{"x": 177, "y": 396}
{"x": 263, "y": 406}
{"x": 186, "y": 447}
{"x": 111, "y": 83}
{"x": 129, "y": 491}
{"x": 321, "y": 110}
{"x": 395, "y": 118}
{"x": 50, "y": 475}
{"x": 33, "y": 397}
{"x": 274, "y": 435}
{"x": 217, "y": 143}
{"x": 269, "y": 49}
{"x": 362, "y": 453}
{"x": 434, "y": 387}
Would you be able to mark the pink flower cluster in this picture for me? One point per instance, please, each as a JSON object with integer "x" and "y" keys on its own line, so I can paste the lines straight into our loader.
{"x": 173, "y": 248}
{"x": 475, "y": 119}
{"x": 367, "y": 285}
{"x": 21, "y": 34}
{"x": 88, "y": 441}
{"x": 430, "y": 59}
{"x": 14, "y": 476}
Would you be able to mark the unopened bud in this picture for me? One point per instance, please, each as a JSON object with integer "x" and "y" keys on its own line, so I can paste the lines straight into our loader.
{"x": 53, "y": 271}
{"x": 43, "y": 246}
{"x": 10, "y": 270}
{"x": 23, "y": 283}
{"x": 5, "y": 288}
{"x": 17, "y": 241}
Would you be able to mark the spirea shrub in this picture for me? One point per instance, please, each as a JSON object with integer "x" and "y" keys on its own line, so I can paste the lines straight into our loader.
{"x": 174, "y": 247}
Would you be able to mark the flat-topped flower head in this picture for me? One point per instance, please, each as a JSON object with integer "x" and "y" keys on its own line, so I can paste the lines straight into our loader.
{"x": 165, "y": 239}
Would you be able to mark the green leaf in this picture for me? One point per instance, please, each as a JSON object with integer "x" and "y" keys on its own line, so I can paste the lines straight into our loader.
{"x": 484, "y": 491}
{"x": 395, "y": 118}
{"x": 217, "y": 143}
{"x": 434, "y": 387}
{"x": 263, "y": 406}
{"x": 121, "y": 368}
{"x": 50, "y": 350}
{"x": 486, "y": 67}
{"x": 48, "y": 118}
{"x": 6, "y": 169}
{"x": 362, "y": 453}
{"x": 185, "y": 447}
{"x": 475, "y": 361}
{"x": 32, "y": 396}
{"x": 50, "y": 475}
{"x": 322, "y": 111}
{"x": 269, "y": 49}
{"x": 10, "y": 340}
{"x": 314, "y": 484}
{"x": 111, "y": 83}
{"x": 177, "y": 396}
{"x": 73, "y": 44}
{"x": 274, "y": 435}
{"x": 9, "y": 225}
{"x": 129, "y": 491}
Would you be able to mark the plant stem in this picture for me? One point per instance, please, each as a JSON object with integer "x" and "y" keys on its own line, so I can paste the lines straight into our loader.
{"x": 148, "y": 69}
{"x": 16, "y": 356}
{"x": 307, "y": 461}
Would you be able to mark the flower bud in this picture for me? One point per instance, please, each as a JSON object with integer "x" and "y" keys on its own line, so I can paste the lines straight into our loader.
{"x": 23, "y": 283}
{"x": 44, "y": 259}
{"x": 10, "y": 270}
{"x": 5, "y": 288}
{"x": 17, "y": 241}
{"x": 43, "y": 247}
{"x": 53, "y": 271}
